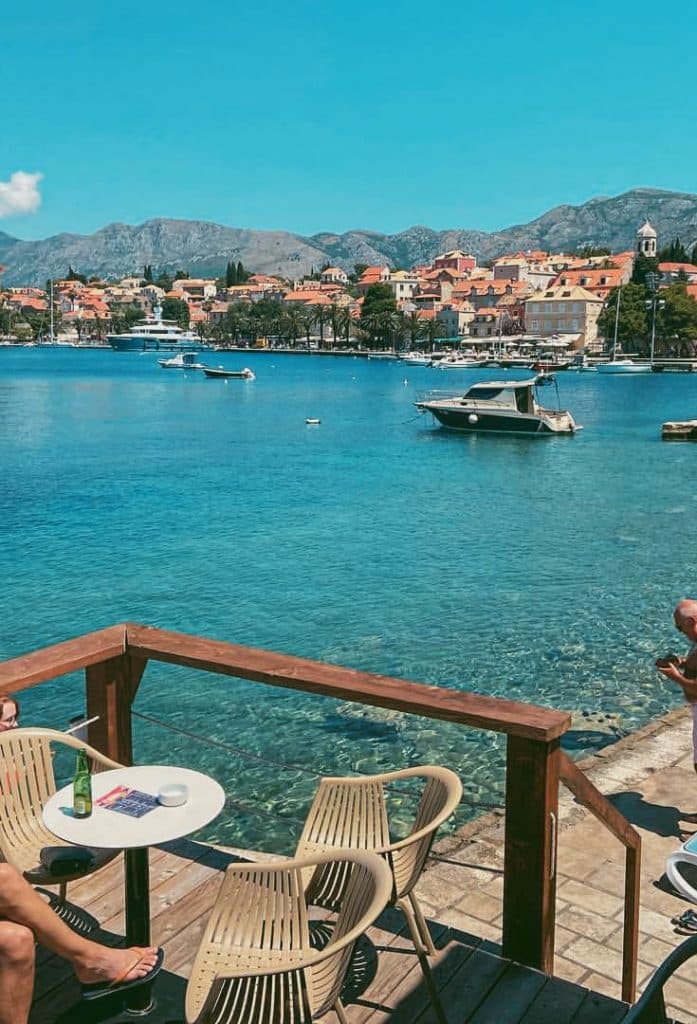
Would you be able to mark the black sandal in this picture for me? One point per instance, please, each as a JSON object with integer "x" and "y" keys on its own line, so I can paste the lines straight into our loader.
{"x": 688, "y": 919}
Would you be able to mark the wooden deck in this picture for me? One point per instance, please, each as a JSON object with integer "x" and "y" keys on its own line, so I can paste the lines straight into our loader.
{"x": 385, "y": 983}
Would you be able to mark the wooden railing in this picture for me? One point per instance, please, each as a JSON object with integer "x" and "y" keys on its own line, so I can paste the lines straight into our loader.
{"x": 586, "y": 794}
{"x": 114, "y": 660}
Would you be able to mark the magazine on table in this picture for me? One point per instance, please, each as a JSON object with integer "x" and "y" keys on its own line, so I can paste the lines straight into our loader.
{"x": 129, "y": 801}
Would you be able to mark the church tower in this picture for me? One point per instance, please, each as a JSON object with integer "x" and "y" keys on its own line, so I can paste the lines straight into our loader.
{"x": 646, "y": 238}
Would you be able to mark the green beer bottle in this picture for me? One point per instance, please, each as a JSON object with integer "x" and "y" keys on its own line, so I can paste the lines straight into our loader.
{"x": 82, "y": 786}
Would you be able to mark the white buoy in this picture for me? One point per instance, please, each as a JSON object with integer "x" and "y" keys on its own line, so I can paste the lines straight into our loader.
{"x": 312, "y": 420}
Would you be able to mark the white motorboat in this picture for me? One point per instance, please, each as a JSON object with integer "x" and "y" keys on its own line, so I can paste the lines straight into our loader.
{"x": 457, "y": 363}
{"x": 416, "y": 358}
{"x": 498, "y": 406}
{"x": 182, "y": 361}
{"x": 624, "y": 366}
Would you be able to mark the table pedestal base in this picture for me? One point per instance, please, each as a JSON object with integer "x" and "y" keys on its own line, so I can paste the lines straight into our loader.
{"x": 139, "y": 1001}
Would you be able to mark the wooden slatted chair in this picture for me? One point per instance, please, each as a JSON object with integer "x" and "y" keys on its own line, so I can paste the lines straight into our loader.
{"x": 27, "y": 781}
{"x": 352, "y": 813}
{"x": 256, "y": 964}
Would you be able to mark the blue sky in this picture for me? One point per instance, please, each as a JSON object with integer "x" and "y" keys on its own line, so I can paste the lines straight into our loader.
{"x": 307, "y": 117}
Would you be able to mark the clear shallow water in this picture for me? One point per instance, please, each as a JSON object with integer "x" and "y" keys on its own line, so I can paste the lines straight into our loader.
{"x": 537, "y": 569}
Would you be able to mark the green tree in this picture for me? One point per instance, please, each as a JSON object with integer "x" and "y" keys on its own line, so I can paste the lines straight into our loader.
{"x": 358, "y": 270}
{"x": 147, "y": 273}
{"x": 230, "y": 275}
{"x": 414, "y": 327}
{"x": 642, "y": 266}
{"x": 177, "y": 310}
{"x": 345, "y": 323}
{"x": 320, "y": 316}
{"x": 633, "y": 324}
{"x": 381, "y": 327}
{"x": 236, "y": 323}
{"x": 587, "y": 251}
{"x": 434, "y": 328}
{"x": 676, "y": 322}
{"x": 73, "y": 275}
{"x": 674, "y": 253}
{"x": 242, "y": 274}
{"x": 292, "y": 323}
{"x": 378, "y": 298}
{"x": 693, "y": 255}
{"x": 165, "y": 281}
{"x": 333, "y": 313}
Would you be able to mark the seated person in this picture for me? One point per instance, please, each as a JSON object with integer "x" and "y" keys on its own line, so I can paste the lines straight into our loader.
{"x": 26, "y": 919}
{"x": 9, "y": 712}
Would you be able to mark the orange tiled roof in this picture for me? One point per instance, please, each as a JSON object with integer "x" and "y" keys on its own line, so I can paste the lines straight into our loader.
{"x": 595, "y": 278}
{"x": 317, "y": 297}
{"x": 28, "y": 300}
{"x": 688, "y": 268}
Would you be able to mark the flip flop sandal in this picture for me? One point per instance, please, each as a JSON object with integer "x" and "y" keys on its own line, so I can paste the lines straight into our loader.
{"x": 685, "y": 928}
{"x": 99, "y": 990}
{"x": 688, "y": 917}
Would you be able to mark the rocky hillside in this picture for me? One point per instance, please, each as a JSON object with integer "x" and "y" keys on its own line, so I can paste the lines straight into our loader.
{"x": 204, "y": 248}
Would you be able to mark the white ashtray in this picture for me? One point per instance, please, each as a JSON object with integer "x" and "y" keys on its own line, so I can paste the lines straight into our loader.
{"x": 173, "y": 794}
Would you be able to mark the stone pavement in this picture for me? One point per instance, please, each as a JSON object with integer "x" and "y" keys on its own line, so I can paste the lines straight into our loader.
{"x": 652, "y": 782}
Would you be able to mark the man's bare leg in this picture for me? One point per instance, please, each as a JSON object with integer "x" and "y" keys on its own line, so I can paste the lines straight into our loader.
{"x": 16, "y": 972}
{"x": 91, "y": 961}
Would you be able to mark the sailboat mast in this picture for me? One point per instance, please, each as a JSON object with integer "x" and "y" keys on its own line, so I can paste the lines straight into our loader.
{"x": 617, "y": 323}
{"x": 52, "y": 339}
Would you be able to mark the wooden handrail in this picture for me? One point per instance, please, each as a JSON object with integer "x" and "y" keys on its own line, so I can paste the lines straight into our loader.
{"x": 492, "y": 713}
{"x": 59, "y": 659}
{"x": 586, "y": 793}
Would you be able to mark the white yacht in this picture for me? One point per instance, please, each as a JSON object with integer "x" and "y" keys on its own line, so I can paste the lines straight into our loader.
{"x": 156, "y": 335}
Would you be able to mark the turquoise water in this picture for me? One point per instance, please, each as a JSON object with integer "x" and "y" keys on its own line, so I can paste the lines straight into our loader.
{"x": 536, "y": 569}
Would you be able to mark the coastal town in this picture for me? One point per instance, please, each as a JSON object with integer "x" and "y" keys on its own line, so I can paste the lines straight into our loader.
{"x": 567, "y": 302}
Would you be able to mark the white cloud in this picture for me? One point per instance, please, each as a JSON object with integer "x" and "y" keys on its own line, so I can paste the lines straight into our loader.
{"x": 20, "y": 194}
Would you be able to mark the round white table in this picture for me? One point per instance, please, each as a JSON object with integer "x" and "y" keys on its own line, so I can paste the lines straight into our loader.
{"x": 112, "y": 830}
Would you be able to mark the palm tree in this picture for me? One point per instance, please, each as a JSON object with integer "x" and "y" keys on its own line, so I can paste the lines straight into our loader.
{"x": 236, "y": 321}
{"x": 415, "y": 325}
{"x": 292, "y": 323}
{"x": 333, "y": 313}
{"x": 344, "y": 323}
{"x": 319, "y": 315}
{"x": 390, "y": 324}
{"x": 306, "y": 320}
{"x": 434, "y": 328}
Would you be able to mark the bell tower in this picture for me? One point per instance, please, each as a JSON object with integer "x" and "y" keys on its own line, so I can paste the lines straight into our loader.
{"x": 646, "y": 239}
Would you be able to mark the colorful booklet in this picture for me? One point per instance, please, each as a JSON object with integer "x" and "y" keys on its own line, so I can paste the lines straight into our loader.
{"x": 128, "y": 801}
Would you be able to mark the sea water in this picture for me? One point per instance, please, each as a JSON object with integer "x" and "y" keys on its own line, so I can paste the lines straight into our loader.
{"x": 538, "y": 569}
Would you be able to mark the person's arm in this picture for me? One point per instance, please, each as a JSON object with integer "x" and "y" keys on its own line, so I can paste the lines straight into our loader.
{"x": 672, "y": 671}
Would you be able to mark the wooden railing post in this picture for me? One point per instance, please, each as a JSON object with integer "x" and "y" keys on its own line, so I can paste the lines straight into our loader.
{"x": 111, "y": 687}
{"x": 529, "y": 885}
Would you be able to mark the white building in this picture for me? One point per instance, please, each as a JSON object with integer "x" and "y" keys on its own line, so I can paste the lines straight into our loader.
{"x": 570, "y": 311}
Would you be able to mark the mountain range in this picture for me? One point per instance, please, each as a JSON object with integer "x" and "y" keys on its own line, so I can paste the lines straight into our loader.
{"x": 203, "y": 248}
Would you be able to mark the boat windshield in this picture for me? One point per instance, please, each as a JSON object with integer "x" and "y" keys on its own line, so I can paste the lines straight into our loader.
{"x": 482, "y": 391}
